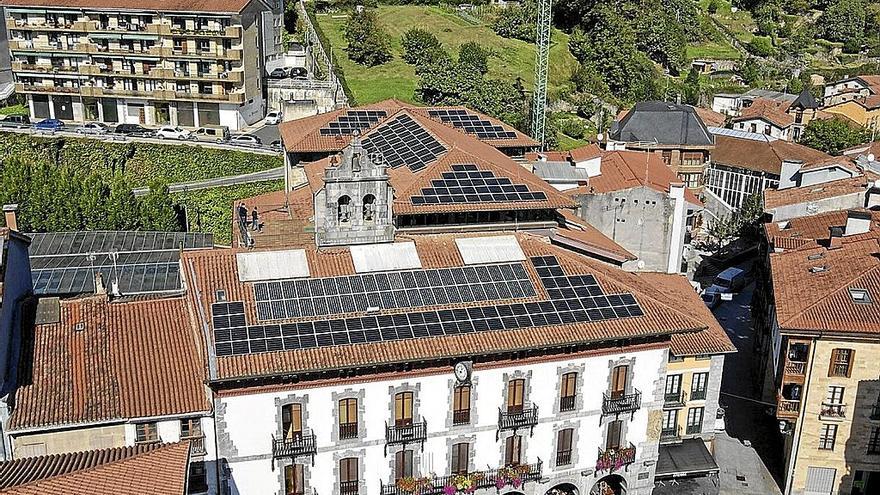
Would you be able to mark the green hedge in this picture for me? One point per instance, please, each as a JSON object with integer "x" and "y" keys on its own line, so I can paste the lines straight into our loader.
{"x": 325, "y": 43}
{"x": 214, "y": 206}
{"x": 141, "y": 162}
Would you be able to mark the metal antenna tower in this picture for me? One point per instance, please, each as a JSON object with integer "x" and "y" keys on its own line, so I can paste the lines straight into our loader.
{"x": 542, "y": 60}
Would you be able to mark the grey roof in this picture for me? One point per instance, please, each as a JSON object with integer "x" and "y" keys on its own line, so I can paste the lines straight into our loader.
{"x": 665, "y": 123}
{"x": 770, "y": 95}
{"x": 805, "y": 100}
{"x": 735, "y": 133}
{"x": 688, "y": 457}
{"x": 556, "y": 171}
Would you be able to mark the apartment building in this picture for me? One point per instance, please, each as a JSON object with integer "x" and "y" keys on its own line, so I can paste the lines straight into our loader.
{"x": 186, "y": 63}
{"x": 822, "y": 342}
{"x": 851, "y": 88}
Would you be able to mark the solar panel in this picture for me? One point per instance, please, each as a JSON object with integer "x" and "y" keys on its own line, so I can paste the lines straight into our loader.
{"x": 404, "y": 142}
{"x": 468, "y": 184}
{"x": 472, "y": 124}
{"x": 232, "y": 337}
{"x": 61, "y": 243}
{"x": 352, "y": 120}
{"x": 389, "y": 290}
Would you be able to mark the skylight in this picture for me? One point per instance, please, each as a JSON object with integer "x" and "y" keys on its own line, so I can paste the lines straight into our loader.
{"x": 860, "y": 295}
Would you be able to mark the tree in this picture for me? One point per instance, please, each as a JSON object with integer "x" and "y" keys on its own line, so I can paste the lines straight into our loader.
{"x": 517, "y": 22}
{"x": 474, "y": 57}
{"x": 691, "y": 88}
{"x": 421, "y": 47}
{"x": 761, "y": 46}
{"x": 157, "y": 209}
{"x": 660, "y": 35}
{"x": 833, "y": 135}
{"x": 750, "y": 71}
{"x": 844, "y": 21}
{"x": 291, "y": 15}
{"x": 367, "y": 41}
{"x": 712, "y": 8}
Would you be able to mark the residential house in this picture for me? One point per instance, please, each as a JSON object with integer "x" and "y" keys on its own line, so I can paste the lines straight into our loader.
{"x": 153, "y": 469}
{"x": 732, "y": 103}
{"x": 851, "y": 88}
{"x": 821, "y": 334}
{"x": 155, "y": 62}
{"x": 746, "y": 163}
{"x": 675, "y": 132}
{"x": 826, "y": 185}
{"x": 861, "y": 110}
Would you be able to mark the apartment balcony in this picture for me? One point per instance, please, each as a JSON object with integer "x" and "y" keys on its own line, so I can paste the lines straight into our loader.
{"x": 403, "y": 434}
{"x": 694, "y": 429}
{"x": 44, "y": 68}
{"x": 787, "y": 408}
{"x": 32, "y": 88}
{"x": 698, "y": 394}
{"x": 221, "y": 97}
{"x": 832, "y": 412}
{"x": 516, "y": 418}
{"x": 795, "y": 368}
{"x": 670, "y": 434}
{"x": 613, "y": 459}
{"x": 674, "y": 400}
{"x": 196, "y": 445}
{"x": 629, "y": 403}
{"x": 227, "y": 32}
{"x": 233, "y": 53}
{"x": 76, "y": 26}
{"x": 21, "y": 44}
{"x": 157, "y": 28}
{"x": 495, "y": 479}
{"x": 295, "y": 446}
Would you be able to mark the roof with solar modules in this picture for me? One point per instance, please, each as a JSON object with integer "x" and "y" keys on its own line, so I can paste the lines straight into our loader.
{"x": 332, "y": 131}
{"x": 429, "y": 297}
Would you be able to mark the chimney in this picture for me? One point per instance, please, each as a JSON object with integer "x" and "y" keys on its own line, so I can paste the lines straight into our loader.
{"x": 100, "y": 288}
{"x": 789, "y": 172}
{"x": 873, "y": 199}
{"x": 11, "y": 214}
{"x": 857, "y": 222}
{"x": 676, "y": 238}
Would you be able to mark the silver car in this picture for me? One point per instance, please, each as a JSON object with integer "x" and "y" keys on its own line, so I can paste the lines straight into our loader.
{"x": 92, "y": 128}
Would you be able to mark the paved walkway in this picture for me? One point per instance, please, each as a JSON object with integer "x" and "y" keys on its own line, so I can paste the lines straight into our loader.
{"x": 264, "y": 175}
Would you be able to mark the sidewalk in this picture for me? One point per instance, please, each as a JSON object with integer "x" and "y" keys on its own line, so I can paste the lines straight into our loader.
{"x": 742, "y": 471}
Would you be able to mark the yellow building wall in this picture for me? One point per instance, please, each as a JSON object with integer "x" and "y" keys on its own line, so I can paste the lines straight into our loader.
{"x": 687, "y": 369}
{"x": 853, "y": 431}
{"x": 59, "y": 442}
{"x": 855, "y": 112}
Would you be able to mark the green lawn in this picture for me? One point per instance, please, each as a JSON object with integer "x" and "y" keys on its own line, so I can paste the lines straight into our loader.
{"x": 397, "y": 79}
{"x": 712, "y": 50}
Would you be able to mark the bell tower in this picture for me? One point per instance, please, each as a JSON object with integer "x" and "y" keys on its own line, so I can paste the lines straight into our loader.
{"x": 354, "y": 206}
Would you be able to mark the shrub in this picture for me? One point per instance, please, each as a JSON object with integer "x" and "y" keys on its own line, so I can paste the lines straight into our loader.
{"x": 572, "y": 128}
{"x": 421, "y": 47}
{"x": 474, "y": 57}
{"x": 517, "y": 22}
{"x": 367, "y": 41}
{"x": 713, "y": 6}
{"x": 761, "y": 46}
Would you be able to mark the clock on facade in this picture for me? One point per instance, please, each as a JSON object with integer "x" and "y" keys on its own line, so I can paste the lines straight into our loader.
{"x": 462, "y": 371}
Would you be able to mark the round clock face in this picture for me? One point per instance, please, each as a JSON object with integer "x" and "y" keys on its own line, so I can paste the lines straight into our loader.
{"x": 461, "y": 372}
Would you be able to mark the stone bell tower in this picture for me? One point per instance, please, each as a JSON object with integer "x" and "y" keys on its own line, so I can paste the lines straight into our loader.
{"x": 354, "y": 206}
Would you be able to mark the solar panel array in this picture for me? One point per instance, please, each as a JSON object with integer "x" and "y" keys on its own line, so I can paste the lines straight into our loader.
{"x": 404, "y": 142}
{"x": 67, "y": 263}
{"x": 353, "y": 120}
{"x": 468, "y": 184}
{"x": 472, "y": 124}
{"x": 573, "y": 299}
{"x": 391, "y": 290}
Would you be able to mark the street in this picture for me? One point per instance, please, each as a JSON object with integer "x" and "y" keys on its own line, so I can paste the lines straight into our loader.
{"x": 745, "y": 470}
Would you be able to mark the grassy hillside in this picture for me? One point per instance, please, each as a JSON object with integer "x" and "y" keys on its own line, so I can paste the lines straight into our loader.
{"x": 397, "y": 79}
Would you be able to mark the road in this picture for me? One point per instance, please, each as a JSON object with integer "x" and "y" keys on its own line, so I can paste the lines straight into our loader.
{"x": 273, "y": 173}
{"x": 755, "y": 470}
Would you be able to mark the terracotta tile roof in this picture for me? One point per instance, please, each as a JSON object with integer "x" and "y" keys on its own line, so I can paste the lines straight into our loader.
{"x": 839, "y": 161}
{"x": 591, "y": 238}
{"x": 811, "y": 288}
{"x": 576, "y": 155}
{"x": 768, "y": 110}
{"x": 806, "y": 231}
{"x": 663, "y": 316}
{"x": 872, "y": 81}
{"x": 303, "y": 135}
{"x": 155, "y": 5}
{"x": 628, "y": 169}
{"x": 774, "y": 198}
{"x": 761, "y": 156}
{"x": 158, "y": 471}
{"x": 128, "y": 360}
{"x": 710, "y": 117}
{"x": 29, "y": 469}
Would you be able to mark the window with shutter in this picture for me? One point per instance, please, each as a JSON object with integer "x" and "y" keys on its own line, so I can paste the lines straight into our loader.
{"x": 403, "y": 464}
{"x": 348, "y": 423}
{"x": 568, "y": 392}
{"x": 612, "y": 440}
{"x": 348, "y": 476}
{"x": 513, "y": 450}
{"x": 841, "y": 362}
{"x": 461, "y": 405}
{"x": 515, "y": 390}
{"x": 403, "y": 409}
{"x": 294, "y": 481}
{"x": 460, "y": 452}
{"x": 563, "y": 447}
{"x": 291, "y": 420}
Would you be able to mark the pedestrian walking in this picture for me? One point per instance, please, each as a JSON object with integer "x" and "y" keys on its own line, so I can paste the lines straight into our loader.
{"x": 255, "y": 220}
{"x": 242, "y": 213}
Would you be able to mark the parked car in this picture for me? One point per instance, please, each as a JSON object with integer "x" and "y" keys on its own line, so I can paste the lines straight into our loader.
{"x": 274, "y": 117}
{"x": 245, "y": 140}
{"x": 730, "y": 281}
{"x": 278, "y": 73}
{"x": 298, "y": 72}
{"x": 217, "y": 133}
{"x": 711, "y": 299}
{"x": 135, "y": 130}
{"x": 172, "y": 132}
{"x": 276, "y": 145}
{"x": 16, "y": 121}
{"x": 49, "y": 125}
{"x": 93, "y": 128}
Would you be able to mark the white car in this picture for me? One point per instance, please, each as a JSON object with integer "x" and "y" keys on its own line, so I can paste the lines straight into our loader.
{"x": 93, "y": 128}
{"x": 170, "y": 132}
{"x": 274, "y": 117}
{"x": 245, "y": 140}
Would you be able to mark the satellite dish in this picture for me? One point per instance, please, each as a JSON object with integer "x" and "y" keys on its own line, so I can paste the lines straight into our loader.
{"x": 599, "y": 137}
{"x": 871, "y": 157}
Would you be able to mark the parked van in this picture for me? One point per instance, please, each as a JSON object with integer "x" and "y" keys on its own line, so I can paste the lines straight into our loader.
{"x": 729, "y": 281}
{"x": 219, "y": 133}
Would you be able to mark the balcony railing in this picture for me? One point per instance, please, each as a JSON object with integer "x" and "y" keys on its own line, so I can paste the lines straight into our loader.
{"x": 613, "y": 459}
{"x": 295, "y": 446}
{"x": 462, "y": 417}
{"x": 667, "y": 434}
{"x": 694, "y": 429}
{"x": 514, "y": 419}
{"x": 348, "y": 487}
{"x": 832, "y": 411}
{"x": 698, "y": 394}
{"x": 567, "y": 403}
{"x": 348, "y": 431}
{"x": 515, "y": 476}
{"x": 797, "y": 368}
{"x": 405, "y": 433}
{"x": 628, "y": 403}
{"x": 674, "y": 399}
{"x": 563, "y": 457}
{"x": 196, "y": 445}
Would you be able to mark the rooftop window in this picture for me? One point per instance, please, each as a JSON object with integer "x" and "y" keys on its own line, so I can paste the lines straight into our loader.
{"x": 859, "y": 295}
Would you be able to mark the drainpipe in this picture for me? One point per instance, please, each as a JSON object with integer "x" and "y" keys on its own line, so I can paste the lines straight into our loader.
{"x": 800, "y": 422}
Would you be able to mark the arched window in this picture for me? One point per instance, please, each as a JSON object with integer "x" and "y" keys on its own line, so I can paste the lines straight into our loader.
{"x": 369, "y": 212}
{"x": 343, "y": 210}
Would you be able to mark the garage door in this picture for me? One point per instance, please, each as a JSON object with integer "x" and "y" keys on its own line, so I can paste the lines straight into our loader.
{"x": 820, "y": 481}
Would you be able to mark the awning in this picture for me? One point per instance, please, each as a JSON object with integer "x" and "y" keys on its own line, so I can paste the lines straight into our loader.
{"x": 152, "y": 37}
{"x": 690, "y": 457}
{"x": 105, "y": 36}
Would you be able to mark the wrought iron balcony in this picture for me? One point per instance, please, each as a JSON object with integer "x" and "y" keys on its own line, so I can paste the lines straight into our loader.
{"x": 515, "y": 476}
{"x": 628, "y": 403}
{"x": 698, "y": 394}
{"x": 196, "y": 445}
{"x": 787, "y": 408}
{"x": 462, "y": 417}
{"x": 832, "y": 411}
{"x": 295, "y": 446}
{"x": 567, "y": 403}
{"x": 563, "y": 457}
{"x": 694, "y": 429}
{"x": 613, "y": 459}
{"x": 516, "y": 418}
{"x": 674, "y": 400}
{"x": 405, "y": 433}
{"x": 348, "y": 488}
{"x": 669, "y": 434}
{"x": 348, "y": 431}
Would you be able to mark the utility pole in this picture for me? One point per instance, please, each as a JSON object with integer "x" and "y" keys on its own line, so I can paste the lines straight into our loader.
{"x": 542, "y": 61}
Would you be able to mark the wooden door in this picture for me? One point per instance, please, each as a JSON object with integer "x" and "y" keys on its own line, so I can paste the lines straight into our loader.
{"x": 618, "y": 381}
